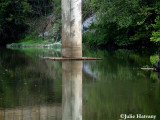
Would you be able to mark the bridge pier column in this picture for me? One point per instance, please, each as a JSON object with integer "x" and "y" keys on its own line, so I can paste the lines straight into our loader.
{"x": 71, "y": 28}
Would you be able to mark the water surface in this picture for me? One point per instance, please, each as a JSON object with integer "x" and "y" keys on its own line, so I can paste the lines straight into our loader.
{"x": 35, "y": 89}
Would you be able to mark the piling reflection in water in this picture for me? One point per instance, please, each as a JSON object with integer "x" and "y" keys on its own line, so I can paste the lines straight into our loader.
{"x": 71, "y": 108}
{"x": 28, "y": 84}
{"x": 72, "y": 90}
{"x": 46, "y": 112}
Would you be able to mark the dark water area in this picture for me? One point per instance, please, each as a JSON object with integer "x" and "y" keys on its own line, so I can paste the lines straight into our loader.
{"x": 32, "y": 88}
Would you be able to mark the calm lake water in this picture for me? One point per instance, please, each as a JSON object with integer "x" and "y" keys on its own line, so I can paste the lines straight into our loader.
{"x": 32, "y": 88}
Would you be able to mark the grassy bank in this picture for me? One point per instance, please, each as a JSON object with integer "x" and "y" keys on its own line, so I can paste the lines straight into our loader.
{"x": 44, "y": 32}
{"x": 32, "y": 40}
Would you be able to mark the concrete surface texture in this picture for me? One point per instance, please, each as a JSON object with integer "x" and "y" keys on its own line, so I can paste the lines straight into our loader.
{"x": 71, "y": 28}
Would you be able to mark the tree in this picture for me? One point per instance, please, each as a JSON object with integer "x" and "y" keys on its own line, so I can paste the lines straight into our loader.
{"x": 124, "y": 22}
{"x": 156, "y": 33}
{"x": 13, "y": 14}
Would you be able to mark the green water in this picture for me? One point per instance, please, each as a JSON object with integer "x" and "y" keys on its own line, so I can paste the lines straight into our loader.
{"x": 33, "y": 89}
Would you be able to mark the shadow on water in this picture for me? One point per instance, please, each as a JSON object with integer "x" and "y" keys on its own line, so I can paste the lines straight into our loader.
{"x": 36, "y": 89}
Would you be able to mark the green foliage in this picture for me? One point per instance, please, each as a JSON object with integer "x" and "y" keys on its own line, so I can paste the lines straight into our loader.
{"x": 124, "y": 23}
{"x": 153, "y": 59}
{"x": 29, "y": 40}
{"x": 16, "y": 16}
{"x": 89, "y": 7}
{"x": 57, "y": 7}
{"x": 156, "y": 34}
{"x": 119, "y": 22}
{"x": 43, "y": 7}
{"x": 90, "y": 38}
{"x": 13, "y": 15}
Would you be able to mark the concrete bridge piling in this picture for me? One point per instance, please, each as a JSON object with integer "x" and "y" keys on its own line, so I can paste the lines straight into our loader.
{"x": 71, "y": 32}
{"x": 71, "y": 28}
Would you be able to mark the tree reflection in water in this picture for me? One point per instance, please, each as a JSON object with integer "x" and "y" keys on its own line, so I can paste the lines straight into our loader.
{"x": 32, "y": 87}
{"x": 71, "y": 108}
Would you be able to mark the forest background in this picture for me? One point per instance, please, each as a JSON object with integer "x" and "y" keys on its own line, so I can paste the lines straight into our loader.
{"x": 118, "y": 23}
